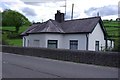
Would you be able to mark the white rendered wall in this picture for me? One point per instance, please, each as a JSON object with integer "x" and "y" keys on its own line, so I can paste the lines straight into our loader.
{"x": 96, "y": 35}
{"x": 58, "y": 37}
{"x": 40, "y": 37}
{"x": 81, "y": 41}
{"x": 32, "y": 37}
{"x": 63, "y": 40}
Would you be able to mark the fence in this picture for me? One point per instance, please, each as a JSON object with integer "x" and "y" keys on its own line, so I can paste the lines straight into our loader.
{"x": 89, "y": 57}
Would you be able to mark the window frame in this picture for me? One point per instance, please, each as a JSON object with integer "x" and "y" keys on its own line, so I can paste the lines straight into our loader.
{"x": 50, "y": 42}
{"x": 73, "y": 43}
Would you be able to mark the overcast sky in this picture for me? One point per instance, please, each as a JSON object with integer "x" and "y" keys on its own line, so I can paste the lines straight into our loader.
{"x": 42, "y": 10}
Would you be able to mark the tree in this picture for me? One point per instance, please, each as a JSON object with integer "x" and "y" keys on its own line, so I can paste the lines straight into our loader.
{"x": 13, "y": 18}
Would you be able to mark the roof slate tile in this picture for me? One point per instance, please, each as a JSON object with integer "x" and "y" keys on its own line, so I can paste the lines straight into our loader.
{"x": 85, "y": 25}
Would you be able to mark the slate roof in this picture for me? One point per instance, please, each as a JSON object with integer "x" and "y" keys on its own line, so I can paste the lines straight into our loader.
{"x": 85, "y": 25}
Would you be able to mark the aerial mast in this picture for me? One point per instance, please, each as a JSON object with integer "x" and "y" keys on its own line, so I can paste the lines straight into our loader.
{"x": 65, "y": 6}
{"x": 72, "y": 11}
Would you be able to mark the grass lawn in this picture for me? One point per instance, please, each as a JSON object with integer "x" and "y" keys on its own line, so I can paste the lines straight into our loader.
{"x": 15, "y": 42}
{"x": 12, "y": 28}
{"x": 112, "y": 28}
{"x": 111, "y": 23}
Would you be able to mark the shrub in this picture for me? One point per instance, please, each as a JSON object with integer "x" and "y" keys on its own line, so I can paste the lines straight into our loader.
{"x": 13, "y": 35}
{"x": 4, "y": 39}
{"x": 117, "y": 45}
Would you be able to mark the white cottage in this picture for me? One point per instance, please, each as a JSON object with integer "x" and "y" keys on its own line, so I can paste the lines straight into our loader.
{"x": 79, "y": 34}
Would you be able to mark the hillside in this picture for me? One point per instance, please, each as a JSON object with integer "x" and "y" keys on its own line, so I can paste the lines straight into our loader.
{"x": 11, "y": 37}
{"x": 112, "y": 28}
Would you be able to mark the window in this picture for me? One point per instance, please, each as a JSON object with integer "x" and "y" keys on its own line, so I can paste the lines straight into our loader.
{"x": 52, "y": 43}
{"x": 36, "y": 43}
{"x": 97, "y": 46}
{"x": 74, "y": 44}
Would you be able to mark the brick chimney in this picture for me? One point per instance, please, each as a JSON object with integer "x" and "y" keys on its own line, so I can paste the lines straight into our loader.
{"x": 59, "y": 17}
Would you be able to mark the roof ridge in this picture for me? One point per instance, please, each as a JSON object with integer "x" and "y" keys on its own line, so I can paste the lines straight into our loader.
{"x": 49, "y": 25}
{"x": 58, "y": 27}
{"x": 46, "y": 28}
{"x": 83, "y": 18}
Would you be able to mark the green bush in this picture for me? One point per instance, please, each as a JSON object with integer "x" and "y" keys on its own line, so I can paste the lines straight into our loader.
{"x": 117, "y": 45}
{"x": 4, "y": 39}
{"x": 13, "y": 35}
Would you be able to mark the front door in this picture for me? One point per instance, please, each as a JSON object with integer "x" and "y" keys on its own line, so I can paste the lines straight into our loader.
{"x": 96, "y": 45}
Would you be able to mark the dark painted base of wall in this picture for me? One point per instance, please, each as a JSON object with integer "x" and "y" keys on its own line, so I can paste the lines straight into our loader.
{"x": 111, "y": 59}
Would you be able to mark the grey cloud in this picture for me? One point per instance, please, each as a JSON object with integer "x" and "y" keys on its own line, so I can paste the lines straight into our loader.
{"x": 29, "y": 11}
{"x": 37, "y": 2}
{"x": 76, "y": 15}
{"x": 104, "y": 11}
{"x": 32, "y": 3}
{"x": 68, "y": 15}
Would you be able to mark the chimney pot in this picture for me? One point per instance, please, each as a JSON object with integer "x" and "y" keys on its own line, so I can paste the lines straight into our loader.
{"x": 59, "y": 17}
